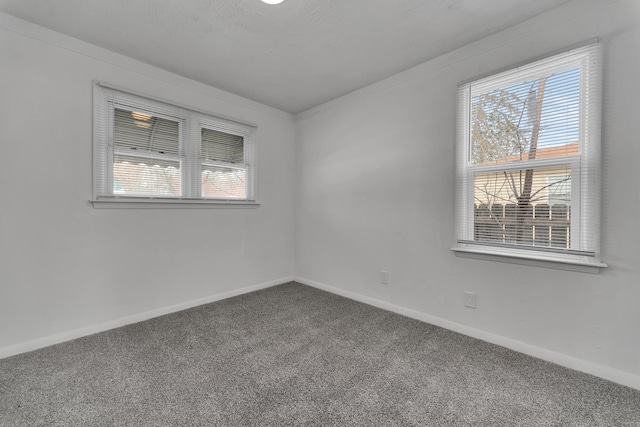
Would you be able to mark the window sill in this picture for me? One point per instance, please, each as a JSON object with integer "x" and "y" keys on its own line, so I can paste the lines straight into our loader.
{"x": 155, "y": 203}
{"x": 567, "y": 262}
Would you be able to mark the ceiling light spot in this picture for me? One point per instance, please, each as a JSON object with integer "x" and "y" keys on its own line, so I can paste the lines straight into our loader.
{"x": 272, "y": 1}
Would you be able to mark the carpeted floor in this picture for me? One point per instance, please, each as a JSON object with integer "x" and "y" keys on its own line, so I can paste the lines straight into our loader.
{"x": 294, "y": 355}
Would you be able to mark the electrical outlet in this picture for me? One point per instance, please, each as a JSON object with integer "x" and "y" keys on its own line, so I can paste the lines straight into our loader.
{"x": 384, "y": 277}
{"x": 470, "y": 299}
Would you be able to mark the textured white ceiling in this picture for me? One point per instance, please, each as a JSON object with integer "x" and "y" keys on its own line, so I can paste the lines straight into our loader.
{"x": 292, "y": 56}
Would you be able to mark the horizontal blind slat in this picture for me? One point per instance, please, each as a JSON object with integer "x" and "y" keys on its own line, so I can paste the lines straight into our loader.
{"x": 138, "y": 131}
{"x": 221, "y": 146}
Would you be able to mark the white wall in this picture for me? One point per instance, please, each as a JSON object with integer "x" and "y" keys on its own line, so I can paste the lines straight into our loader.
{"x": 375, "y": 191}
{"x": 69, "y": 269}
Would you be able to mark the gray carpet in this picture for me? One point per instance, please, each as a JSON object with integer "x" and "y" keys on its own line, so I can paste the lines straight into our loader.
{"x": 294, "y": 355}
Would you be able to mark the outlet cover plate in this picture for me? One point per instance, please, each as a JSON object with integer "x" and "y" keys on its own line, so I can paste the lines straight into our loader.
{"x": 470, "y": 299}
{"x": 384, "y": 277}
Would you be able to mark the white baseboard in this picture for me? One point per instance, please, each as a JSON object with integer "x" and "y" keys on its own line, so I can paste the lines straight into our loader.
{"x": 602, "y": 371}
{"x": 123, "y": 321}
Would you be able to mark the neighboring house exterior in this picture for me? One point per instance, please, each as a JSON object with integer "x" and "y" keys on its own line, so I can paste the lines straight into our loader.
{"x": 547, "y": 222}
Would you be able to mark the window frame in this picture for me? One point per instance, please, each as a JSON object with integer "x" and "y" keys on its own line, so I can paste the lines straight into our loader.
{"x": 584, "y": 180}
{"x": 190, "y": 123}
{"x": 208, "y": 122}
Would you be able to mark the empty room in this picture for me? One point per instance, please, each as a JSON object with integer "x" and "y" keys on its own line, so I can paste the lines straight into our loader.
{"x": 319, "y": 212}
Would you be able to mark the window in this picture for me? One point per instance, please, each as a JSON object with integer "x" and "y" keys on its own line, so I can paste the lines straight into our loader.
{"x": 528, "y": 154}
{"x": 146, "y": 150}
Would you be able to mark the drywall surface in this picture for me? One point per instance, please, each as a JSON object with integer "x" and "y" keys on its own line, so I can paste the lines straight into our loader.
{"x": 65, "y": 265}
{"x": 375, "y": 186}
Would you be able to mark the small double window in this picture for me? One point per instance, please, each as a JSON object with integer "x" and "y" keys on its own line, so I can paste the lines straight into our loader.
{"x": 146, "y": 149}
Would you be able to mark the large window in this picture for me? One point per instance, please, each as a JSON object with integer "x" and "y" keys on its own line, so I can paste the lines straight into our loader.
{"x": 528, "y": 156}
{"x": 149, "y": 150}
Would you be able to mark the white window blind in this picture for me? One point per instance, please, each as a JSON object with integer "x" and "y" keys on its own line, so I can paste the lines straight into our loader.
{"x": 224, "y": 171}
{"x": 146, "y": 154}
{"x": 528, "y": 159}
{"x": 149, "y": 149}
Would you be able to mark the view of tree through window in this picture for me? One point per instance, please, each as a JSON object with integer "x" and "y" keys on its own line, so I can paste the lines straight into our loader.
{"x": 528, "y": 160}
{"x": 532, "y": 122}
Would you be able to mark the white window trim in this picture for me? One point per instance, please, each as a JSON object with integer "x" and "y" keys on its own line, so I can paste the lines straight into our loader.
{"x": 170, "y": 203}
{"x": 465, "y": 247}
{"x": 530, "y": 258}
{"x": 188, "y": 118}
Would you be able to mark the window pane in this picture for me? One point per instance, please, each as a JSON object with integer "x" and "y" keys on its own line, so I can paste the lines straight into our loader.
{"x": 145, "y": 177}
{"x": 224, "y": 183}
{"x": 221, "y": 147}
{"x": 533, "y": 119}
{"x": 524, "y": 207}
{"x": 139, "y": 131}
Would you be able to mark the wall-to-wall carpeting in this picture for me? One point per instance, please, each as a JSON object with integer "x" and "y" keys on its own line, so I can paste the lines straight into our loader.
{"x": 295, "y": 355}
